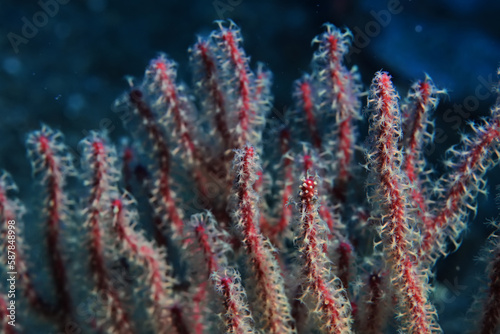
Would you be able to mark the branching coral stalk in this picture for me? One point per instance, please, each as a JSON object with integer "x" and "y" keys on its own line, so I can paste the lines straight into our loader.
{"x": 489, "y": 322}
{"x": 337, "y": 244}
{"x": 208, "y": 247}
{"x": 209, "y": 87}
{"x": 376, "y": 305}
{"x": 271, "y": 298}
{"x": 163, "y": 199}
{"x": 310, "y": 162}
{"x": 199, "y": 322}
{"x": 421, "y": 101}
{"x": 235, "y": 97}
{"x": 385, "y": 159}
{"x": 99, "y": 160}
{"x": 51, "y": 161}
{"x": 161, "y": 78}
{"x": 238, "y": 63}
{"x": 263, "y": 96}
{"x": 306, "y": 103}
{"x": 217, "y": 100}
{"x": 241, "y": 80}
{"x": 237, "y": 318}
{"x": 329, "y": 297}
{"x": 460, "y": 187}
{"x": 277, "y": 232}
{"x": 212, "y": 242}
{"x": 187, "y": 144}
{"x": 11, "y": 212}
{"x": 143, "y": 254}
{"x": 339, "y": 89}
{"x": 345, "y": 260}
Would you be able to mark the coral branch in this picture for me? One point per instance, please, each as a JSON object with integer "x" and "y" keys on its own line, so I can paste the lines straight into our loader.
{"x": 212, "y": 242}
{"x": 376, "y": 308}
{"x": 50, "y": 159}
{"x": 273, "y": 303}
{"x": 421, "y": 101}
{"x": 490, "y": 312}
{"x": 332, "y": 305}
{"x": 237, "y": 317}
{"x": 147, "y": 257}
{"x": 99, "y": 164}
{"x": 277, "y": 231}
{"x": 306, "y": 102}
{"x": 207, "y": 77}
{"x": 241, "y": 79}
{"x": 161, "y": 78}
{"x": 11, "y": 212}
{"x": 208, "y": 201}
{"x": 339, "y": 89}
{"x": 163, "y": 199}
{"x": 461, "y": 185}
{"x": 385, "y": 159}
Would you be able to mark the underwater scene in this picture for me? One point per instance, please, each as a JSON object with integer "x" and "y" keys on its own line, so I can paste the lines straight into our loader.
{"x": 249, "y": 166}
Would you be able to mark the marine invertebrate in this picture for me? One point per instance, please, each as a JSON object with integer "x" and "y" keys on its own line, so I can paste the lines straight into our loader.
{"x": 212, "y": 203}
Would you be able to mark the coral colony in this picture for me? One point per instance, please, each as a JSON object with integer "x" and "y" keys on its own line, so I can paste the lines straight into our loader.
{"x": 203, "y": 225}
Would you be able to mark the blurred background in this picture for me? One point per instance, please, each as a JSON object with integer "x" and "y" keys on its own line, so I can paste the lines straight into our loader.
{"x": 63, "y": 63}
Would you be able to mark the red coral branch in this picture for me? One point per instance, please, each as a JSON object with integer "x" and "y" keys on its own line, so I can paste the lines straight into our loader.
{"x": 163, "y": 199}
{"x": 99, "y": 163}
{"x": 237, "y": 317}
{"x": 330, "y": 298}
{"x": 50, "y": 159}
{"x": 461, "y": 186}
{"x": 150, "y": 259}
{"x": 274, "y": 306}
{"x": 418, "y": 315}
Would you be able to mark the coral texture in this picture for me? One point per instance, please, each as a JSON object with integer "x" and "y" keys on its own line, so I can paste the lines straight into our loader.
{"x": 216, "y": 218}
